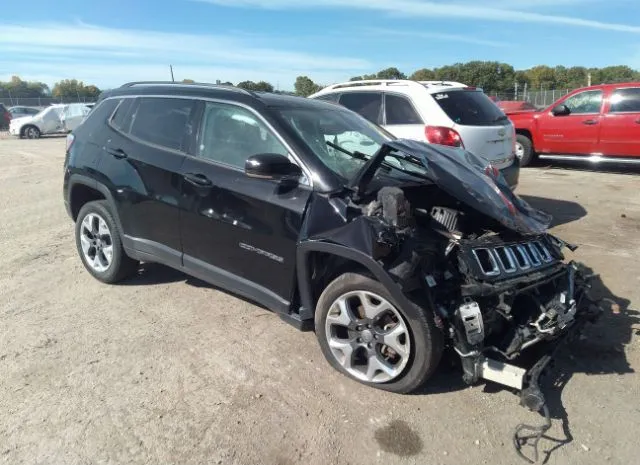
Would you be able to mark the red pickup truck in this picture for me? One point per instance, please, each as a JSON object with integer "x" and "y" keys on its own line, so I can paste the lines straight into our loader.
{"x": 597, "y": 124}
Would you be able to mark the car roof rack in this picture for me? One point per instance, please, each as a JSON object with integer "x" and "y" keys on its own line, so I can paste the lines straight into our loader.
{"x": 394, "y": 82}
{"x": 190, "y": 84}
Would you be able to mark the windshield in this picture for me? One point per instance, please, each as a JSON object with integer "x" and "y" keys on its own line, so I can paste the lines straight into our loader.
{"x": 341, "y": 139}
{"x": 470, "y": 108}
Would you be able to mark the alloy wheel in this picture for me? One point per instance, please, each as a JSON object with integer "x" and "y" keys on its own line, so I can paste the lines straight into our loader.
{"x": 519, "y": 150}
{"x": 96, "y": 242}
{"x": 368, "y": 336}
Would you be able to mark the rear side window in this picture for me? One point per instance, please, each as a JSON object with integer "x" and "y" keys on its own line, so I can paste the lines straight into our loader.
{"x": 400, "y": 111}
{"x": 122, "y": 117}
{"x": 625, "y": 101}
{"x": 469, "y": 107}
{"x": 368, "y": 104}
{"x": 162, "y": 121}
{"x": 329, "y": 97}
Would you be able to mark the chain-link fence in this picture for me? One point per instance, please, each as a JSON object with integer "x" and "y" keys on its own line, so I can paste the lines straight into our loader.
{"x": 539, "y": 98}
{"x": 10, "y": 101}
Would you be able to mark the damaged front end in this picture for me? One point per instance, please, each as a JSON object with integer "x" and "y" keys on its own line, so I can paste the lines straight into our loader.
{"x": 496, "y": 281}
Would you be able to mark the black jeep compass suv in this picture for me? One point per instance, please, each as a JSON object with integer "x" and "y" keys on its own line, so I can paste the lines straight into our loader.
{"x": 391, "y": 249}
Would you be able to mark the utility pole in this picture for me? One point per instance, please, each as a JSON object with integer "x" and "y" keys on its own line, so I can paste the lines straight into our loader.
{"x": 516, "y": 89}
{"x": 588, "y": 79}
{"x": 171, "y": 69}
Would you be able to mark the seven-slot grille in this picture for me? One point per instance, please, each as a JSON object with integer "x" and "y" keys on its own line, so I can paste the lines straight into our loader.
{"x": 512, "y": 258}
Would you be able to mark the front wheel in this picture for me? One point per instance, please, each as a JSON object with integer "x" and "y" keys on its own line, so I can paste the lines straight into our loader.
{"x": 31, "y": 132}
{"x": 364, "y": 334}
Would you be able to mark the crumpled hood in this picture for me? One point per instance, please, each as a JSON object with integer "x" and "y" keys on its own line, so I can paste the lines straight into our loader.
{"x": 462, "y": 175}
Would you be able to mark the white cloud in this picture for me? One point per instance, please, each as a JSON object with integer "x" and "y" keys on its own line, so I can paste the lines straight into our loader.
{"x": 439, "y": 36}
{"x": 109, "y": 56}
{"x": 417, "y": 8}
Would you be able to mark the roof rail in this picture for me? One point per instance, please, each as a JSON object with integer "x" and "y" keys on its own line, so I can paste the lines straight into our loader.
{"x": 192, "y": 84}
{"x": 443, "y": 83}
{"x": 373, "y": 82}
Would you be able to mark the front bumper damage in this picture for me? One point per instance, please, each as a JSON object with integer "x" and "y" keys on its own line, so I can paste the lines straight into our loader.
{"x": 532, "y": 348}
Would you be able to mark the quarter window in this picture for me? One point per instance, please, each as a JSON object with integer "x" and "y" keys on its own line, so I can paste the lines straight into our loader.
{"x": 400, "y": 111}
{"x": 625, "y": 101}
{"x": 231, "y": 134}
{"x": 163, "y": 121}
{"x": 368, "y": 104}
{"x": 589, "y": 101}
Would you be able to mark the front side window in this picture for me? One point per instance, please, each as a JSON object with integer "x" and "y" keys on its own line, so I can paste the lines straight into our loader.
{"x": 367, "y": 104}
{"x": 162, "y": 121}
{"x": 231, "y": 134}
{"x": 625, "y": 101}
{"x": 400, "y": 111}
{"x": 589, "y": 101}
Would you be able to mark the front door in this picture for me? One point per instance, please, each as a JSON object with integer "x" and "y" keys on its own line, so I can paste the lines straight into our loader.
{"x": 620, "y": 133}
{"x": 238, "y": 231}
{"x": 575, "y": 133}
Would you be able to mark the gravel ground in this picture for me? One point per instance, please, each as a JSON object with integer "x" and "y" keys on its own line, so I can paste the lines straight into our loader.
{"x": 167, "y": 369}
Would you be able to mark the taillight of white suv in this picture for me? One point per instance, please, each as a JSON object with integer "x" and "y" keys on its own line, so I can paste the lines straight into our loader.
{"x": 443, "y": 136}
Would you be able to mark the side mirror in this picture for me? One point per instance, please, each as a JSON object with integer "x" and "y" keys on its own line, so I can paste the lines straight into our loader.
{"x": 561, "y": 110}
{"x": 271, "y": 166}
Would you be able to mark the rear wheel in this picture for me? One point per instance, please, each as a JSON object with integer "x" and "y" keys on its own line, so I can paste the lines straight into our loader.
{"x": 524, "y": 149}
{"x": 99, "y": 245}
{"x": 31, "y": 132}
{"x": 364, "y": 334}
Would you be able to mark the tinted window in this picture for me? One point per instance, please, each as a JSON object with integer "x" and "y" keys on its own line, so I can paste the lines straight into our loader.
{"x": 162, "y": 121}
{"x": 400, "y": 111}
{"x": 469, "y": 107}
{"x": 122, "y": 117}
{"x": 585, "y": 102}
{"x": 368, "y": 104}
{"x": 625, "y": 100}
{"x": 231, "y": 134}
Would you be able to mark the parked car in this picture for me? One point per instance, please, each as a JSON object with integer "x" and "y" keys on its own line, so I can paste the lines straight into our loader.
{"x": 392, "y": 251}
{"x": 5, "y": 117}
{"x": 595, "y": 124}
{"x": 20, "y": 111}
{"x": 58, "y": 118}
{"x": 438, "y": 112}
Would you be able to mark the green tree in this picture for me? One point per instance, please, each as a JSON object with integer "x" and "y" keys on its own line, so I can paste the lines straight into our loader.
{"x": 391, "y": 73}
{"x": 71, "y": 89}
{"x": 260, "y": 86}
{"x": 423, "y": 74}
{"x": 19, "y": 88}
{"x": 304, "y": 86}
{"x": 542, "y": 76}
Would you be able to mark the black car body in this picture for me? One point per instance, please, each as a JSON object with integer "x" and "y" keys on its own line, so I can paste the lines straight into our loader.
{"x": 5, "y": 117}
{"x": 466, "y": 262}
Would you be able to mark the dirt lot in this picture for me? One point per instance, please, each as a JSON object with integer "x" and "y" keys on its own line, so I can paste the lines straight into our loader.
{"x": 166, "y": 369}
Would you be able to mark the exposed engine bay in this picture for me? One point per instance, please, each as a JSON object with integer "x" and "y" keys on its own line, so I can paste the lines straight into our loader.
{"x": 496, "y": 294}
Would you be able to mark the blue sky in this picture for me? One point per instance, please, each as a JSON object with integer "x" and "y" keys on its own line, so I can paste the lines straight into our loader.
{"x": 110, "y": 42}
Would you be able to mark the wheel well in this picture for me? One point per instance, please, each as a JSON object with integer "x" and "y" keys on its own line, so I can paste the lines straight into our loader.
{"x": 27, "y": 126}
{"x": 526, "y": 133}
{"x": 325, "y": 267}
{"x": 80, "y": 195}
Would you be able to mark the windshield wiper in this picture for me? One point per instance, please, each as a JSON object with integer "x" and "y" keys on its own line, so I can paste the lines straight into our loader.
{"x": 363, "y": 157}
{"x": 354, "y": 154}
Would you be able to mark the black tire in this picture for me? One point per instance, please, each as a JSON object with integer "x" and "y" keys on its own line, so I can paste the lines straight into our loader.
{"x": 427, "y": 341}
{"x": 30, "y": 132}
{"x": 121, "y": 265}
{"x": 527, "y": 149}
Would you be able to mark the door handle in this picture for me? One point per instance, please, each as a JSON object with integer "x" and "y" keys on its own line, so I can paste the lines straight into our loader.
{"x": 117, "y": 153}
{"x": 199, "y": 180}
{"x": 590, "y": 122}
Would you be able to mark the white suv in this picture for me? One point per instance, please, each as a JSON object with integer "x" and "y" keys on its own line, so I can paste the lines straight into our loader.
{"x": 437, "y": 112}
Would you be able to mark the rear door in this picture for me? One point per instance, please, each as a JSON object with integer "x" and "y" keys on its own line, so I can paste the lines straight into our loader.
{"x": 620, "y": 132}
{"x": 576, "y": 133}
{"x": 484, "y": 129}
{"x": 367, "y": 104}
{"x": 141, "y": 163}
{"x": 401, "y": 118}
{"x": 73, "y": 115}
{"x": 239, "y": 231}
